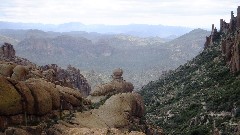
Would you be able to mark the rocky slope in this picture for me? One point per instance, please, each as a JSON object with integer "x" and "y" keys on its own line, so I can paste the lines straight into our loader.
{"x": 50, "y": 100}
{"x": 202, "y": 96}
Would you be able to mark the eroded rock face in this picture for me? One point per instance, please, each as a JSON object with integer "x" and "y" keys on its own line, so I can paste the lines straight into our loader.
{"x": 229, "y": 40}
{"x": 7, "y": 51}
{"x": 71, "y": 77}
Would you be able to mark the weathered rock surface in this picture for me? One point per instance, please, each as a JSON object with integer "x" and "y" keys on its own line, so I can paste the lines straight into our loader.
{"x": 6, "y": 69}
{"x": 34, "y": 100}
{"x": 71, "y": 77}
{"x": 10, "y": 99}
{"x": 117, "y": 85}
{"x": 7, "y": 51}
{"x": 229, "y": 40}
{"x": 117, "y": 112}
{"x": 20, "y": 72}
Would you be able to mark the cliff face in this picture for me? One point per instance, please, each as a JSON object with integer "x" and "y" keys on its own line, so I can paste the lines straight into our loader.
{"x": 229, "y": 38}
{"x": 70, "y": 77}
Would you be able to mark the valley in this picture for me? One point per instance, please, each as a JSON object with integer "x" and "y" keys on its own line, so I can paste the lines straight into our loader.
{"x": 143, "y": 59}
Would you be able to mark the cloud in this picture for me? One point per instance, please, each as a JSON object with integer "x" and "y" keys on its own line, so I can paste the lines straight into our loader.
{"x": 169, "y": 12}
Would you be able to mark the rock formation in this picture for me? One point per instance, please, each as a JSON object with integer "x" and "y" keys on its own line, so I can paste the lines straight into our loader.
{"x": 117, "y": 115}
{"x": 34, "y": 99}
{"x": 71, "y": 77}
{"x": 26, "y": 95}
{"x": 229, "y": 40}
{"x": 49, "y": 100}
{"x": 7, "y": 51}
{"x": 117, "y": 85}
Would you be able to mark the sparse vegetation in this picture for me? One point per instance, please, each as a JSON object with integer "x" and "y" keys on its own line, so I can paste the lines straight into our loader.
{"x": 191, "y": 98}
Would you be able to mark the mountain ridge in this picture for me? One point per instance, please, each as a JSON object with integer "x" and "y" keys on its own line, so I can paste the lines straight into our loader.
{"x": 201, "y": 97}
{"x": 141, "y": 30}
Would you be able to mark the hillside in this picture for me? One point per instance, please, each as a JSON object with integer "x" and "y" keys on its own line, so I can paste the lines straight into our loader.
{"x": 200, "y": 97}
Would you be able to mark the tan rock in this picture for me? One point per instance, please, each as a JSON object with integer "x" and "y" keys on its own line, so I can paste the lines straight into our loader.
{"x": 6, "y": 70}
{"x": 117, "y": 85}
{"x": 42, "y": 98}
{"x": 117, "y": 73}
{"x": 20, "y": 73}
{"x": 115, "y": 113}
{"x": 53, "y": 91}
{"x": 102, "y": 90}
{"x": 70, "y": 96}
{"x": 27, "y": 97}
{"x": 10, "y": 99}
{"x": 99, "y": 131}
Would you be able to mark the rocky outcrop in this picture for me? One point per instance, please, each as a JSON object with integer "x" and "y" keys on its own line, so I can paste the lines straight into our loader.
{"x": 117, "y": 112}
{"x": 117, "y": 115}
{"x": 50, "y": 100}
{"x": 70, "y": 77}
{"x": 6, "y": 69}
{"x": 7, "y": 51}
{"x": 20, "y": 72}
{"x": 215, "y": 35}
{"x": 117, "y": 85}
{"x": 34, "y": 100}
{"x": 10, "y": 99}
{"x": 229, "y": 38}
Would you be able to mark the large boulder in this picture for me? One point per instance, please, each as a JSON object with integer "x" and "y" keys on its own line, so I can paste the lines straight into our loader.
{"x": 6, "y": 69}
{"x": 42, "y": 98}
{"x": 116, "y": 112}
{"x": 51, "y": 89}
{"x": 100, "y": 92}
{"x": 20, "y": 72}
{"x": 71, "y": 97}
{"x": 114, "y": 87}
{"x": 27, "y": 96}
{"x": 117, "y": 85}
{"x": 10, "y": 99}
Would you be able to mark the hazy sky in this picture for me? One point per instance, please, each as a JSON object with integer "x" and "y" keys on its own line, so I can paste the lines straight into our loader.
{"x": 190, "y": 13}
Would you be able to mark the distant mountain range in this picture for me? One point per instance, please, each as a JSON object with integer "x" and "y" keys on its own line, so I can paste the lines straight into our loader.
{"x": 143, "y": 59}
{"x": 141, "y": 30}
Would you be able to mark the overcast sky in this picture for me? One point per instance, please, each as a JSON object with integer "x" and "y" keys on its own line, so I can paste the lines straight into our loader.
{"x": 189, "y": 13}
